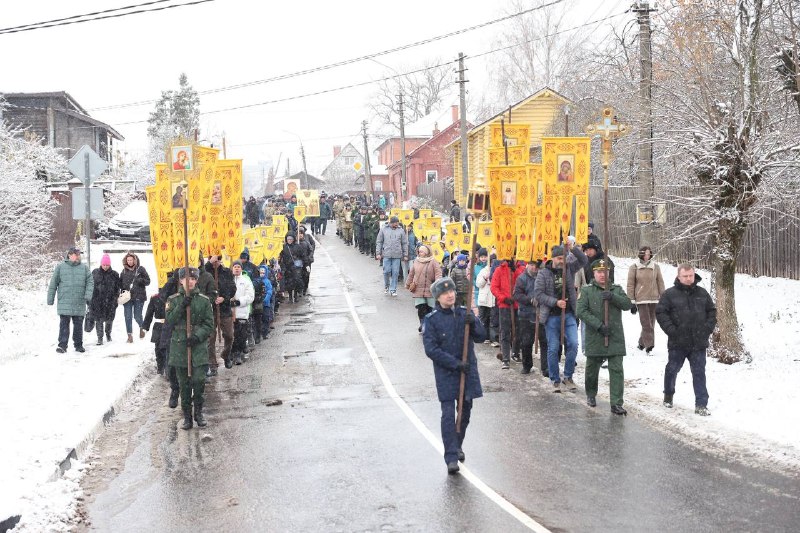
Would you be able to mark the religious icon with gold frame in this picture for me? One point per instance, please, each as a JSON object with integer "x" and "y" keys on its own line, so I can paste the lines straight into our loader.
{"x": 181, "y": 157}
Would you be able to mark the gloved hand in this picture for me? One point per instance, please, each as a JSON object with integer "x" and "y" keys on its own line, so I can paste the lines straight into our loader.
{"x": 463, "y": 367}
{"x": 508, "y": 301}
{"x": 634, "y": 309}
{"x": 606, "y": 295}
{"x": 187, "y": 302}
{"x": 603, "y": 330}
{"x": 235, "y": 302}
{"x": 193, "y": 341}
{"x": 470, "y": 319}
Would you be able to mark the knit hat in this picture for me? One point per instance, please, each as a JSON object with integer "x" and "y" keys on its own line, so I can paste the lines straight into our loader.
{"x": 482, "y": 252}
{"x": 592, "y": 245}
{"x": 73, "y": 250}
{"x": 557, "y": 251}
{"x": 237, "y": 262}
{"x": 461, "y": 257}
{"x": 105, "y": 260}
{"x": 394, "y": 219}
{"x": 591, "y": 225}
{"x": 245, "y": 254}
{"x": 441, "y": 286}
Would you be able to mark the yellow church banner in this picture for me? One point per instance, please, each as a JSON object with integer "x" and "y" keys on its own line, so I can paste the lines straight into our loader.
{"x": 524, "y": 238}
{"x": 509, "y": 191}
{"x": 425, "y": 213}
{"x": 453, "y": 238}
{"x": 582, "y": 218}
{"x": 505, "y": 229}
{"x": 516, "y": 134}
{"x": 406, "y": 216}
{"x": 517, "y": 155}
{"x": 300, "y": 212}
{"x": 566, "y": 164}
{"x": 436, "y": 251}
{"x": 486, "y": 234}
{"x": 309, "y": 199}
{"x": 272, "y": 248}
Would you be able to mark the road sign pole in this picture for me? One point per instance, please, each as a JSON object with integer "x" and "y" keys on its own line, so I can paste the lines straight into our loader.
{"x": 87, "y": 223}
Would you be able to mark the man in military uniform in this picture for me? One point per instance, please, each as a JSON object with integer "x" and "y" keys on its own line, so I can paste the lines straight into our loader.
{"x": 338, "y": 209}
{"x": 347, "y": 224}
{"x": 443, "y": 337}
{"x": 371, "y": 231}
{"x": 360, "y": 222}
{"x": 591, "y": 309}
{"x": 202, "y": 323}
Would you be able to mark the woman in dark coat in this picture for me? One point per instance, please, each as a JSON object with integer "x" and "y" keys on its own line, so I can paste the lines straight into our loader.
{"x": 293, "y": 259}
{"x": 134, "y": 278}
{"x": 103, "y": 305}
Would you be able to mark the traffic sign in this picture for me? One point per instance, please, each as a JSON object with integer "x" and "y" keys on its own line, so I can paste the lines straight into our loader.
{"x": 79, "y": 203}
{"x": 87, "y": 173}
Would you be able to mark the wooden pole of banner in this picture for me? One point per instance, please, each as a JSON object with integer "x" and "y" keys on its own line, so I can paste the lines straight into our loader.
{"x": 186, "y": 273}
{"x": 465, "y": 349}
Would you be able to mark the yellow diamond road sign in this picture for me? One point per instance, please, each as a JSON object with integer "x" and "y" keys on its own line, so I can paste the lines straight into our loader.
{"x": 357, "y": 165}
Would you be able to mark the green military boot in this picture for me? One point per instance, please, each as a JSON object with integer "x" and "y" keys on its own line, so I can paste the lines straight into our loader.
{"x": 198, "y": 415}
{"x": 187, "y": 418}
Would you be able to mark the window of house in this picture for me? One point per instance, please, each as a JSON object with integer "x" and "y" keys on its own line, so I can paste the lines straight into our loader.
{"x": 431, "y": 175}
{"x": 349, "y": 160}
{"x": 378, "y": 185}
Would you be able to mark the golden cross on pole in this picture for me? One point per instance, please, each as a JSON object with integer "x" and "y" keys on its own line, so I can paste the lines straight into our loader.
{"x": 609, "y": 130}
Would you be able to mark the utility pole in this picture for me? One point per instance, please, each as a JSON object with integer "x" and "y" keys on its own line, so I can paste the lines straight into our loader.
{"x": 644, "y": 175}
{"x": 305, "y": 172}
{"x": 402, "y": 148}
{"x": 462, "y": 103}
{"x": 367, "y": 169}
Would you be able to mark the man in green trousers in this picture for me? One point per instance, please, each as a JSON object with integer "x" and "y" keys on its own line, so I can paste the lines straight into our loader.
{"x": 202, "y": 320}
{"x": 591, "y": 309}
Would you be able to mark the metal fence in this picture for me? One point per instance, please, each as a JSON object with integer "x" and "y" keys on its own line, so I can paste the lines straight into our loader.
{"x": 441, "y": 192}
{"x": 770, "y": 246}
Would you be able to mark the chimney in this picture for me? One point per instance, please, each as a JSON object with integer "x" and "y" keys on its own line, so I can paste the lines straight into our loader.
{"x": 337, "y": 150}
{"x": 454, "y": 110}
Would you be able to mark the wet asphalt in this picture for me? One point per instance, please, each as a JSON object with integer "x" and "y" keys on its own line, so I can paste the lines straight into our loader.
{"x": 339, "y": 455}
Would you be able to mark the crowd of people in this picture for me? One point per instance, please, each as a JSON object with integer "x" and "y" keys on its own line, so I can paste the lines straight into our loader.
{"x": 517, "y": 306}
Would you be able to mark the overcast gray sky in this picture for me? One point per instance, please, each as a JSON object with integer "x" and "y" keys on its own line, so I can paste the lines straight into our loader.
{"x": 227, "y": 42}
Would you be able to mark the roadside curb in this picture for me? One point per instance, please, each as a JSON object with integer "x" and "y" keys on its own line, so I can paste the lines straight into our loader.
{"x": 79, "y": 449}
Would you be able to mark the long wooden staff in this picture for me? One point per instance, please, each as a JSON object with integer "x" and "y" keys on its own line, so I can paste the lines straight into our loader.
{"x": 536, "y": 333}
{"x": 186, "y": 277}
{"x": 513, "y": 318}
{"x": 465, "y": 349}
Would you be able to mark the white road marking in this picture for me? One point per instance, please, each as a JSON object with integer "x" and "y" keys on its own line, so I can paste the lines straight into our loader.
{"x": 436, "y": 442}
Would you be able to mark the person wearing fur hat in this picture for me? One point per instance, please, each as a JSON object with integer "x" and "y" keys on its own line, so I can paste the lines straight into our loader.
{"x": 103, "y": 306}
{"x": 549, "y": 289}
{"x": 443, "y": 338}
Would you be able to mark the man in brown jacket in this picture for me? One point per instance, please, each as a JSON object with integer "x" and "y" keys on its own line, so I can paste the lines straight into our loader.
{"x": 645, "y": 287}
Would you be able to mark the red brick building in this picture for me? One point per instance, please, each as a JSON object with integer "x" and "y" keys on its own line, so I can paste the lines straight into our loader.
{"x": 428, "y": 161}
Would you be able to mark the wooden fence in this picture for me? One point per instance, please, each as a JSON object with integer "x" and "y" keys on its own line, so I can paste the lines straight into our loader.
{"x": 441, "y": 192}
{"x": 770, "y": 246}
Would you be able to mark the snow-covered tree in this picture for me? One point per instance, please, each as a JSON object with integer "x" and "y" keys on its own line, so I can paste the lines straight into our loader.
{"x": 725, "y": 126}
{"x": 176, "y": 114}
{"x": 27, "y": 209}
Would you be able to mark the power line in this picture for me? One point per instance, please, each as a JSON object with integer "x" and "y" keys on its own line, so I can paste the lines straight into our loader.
{"x": 347, "y": 61}
{"x": 77, "y": 19}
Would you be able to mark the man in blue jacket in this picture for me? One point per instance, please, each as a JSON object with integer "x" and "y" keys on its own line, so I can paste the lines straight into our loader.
{"x": 443, "y": 337}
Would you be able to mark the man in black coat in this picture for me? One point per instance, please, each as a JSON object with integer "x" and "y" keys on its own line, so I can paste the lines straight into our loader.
{"x": 223, "y": 318}
{"x": 443, "y": 337}
{"x": 688, "y": 316}
{"x": 524, "y": 296}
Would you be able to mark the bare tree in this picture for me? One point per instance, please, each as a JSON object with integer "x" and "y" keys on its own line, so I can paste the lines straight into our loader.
{"x": 424, "y": 89}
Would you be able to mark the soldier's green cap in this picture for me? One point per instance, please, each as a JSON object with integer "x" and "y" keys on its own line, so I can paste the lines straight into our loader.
{"x": 441, "y": 286}
{"x": 600, "y": 264}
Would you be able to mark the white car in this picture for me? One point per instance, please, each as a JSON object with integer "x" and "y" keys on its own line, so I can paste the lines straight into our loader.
{"x": 132, "y": 223}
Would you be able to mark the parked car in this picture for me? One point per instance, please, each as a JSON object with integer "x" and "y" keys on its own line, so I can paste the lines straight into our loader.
{"x": 132, "y": 223}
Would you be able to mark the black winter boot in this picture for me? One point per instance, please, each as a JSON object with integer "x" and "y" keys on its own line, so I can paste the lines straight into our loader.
{"x": 198, "y": 415}
{"x": 187, "y": 418}
{"x": 173, "y": 398}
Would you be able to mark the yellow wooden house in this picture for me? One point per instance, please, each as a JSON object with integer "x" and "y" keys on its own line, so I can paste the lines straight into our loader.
{"x": 543, "y": 111}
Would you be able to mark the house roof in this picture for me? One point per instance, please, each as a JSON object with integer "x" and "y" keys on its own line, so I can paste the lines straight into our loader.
{"x": 545, "y": 91}
{"x": 428, "y": 142}
{"x": 342, "y": 154}
{"x": 299, "y": 176}
{"x": 79, "y": 112}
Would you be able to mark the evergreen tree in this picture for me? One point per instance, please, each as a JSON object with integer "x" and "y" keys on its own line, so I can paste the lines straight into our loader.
{"x": 176, "y": 114}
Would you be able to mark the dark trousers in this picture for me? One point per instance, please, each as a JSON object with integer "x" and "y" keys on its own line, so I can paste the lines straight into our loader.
{"x": 322, "y": 225}
{"x": 98, "y": 324}
{"x": 452, "y": 441}
{"x": 239, "y": 336}
{"x": 173, "y": 378}
{"x": 306, "y": 273}
{"x": 422, "y": 310}
{"x": 485, "y": 316}
{"x": 161, "y": 358}
{"x": 266, "y": 319}
{"x": 507, "y": 343}
{"x": 226, "y": 325}
{"x": 77, "y": 330}
{"x": 697, "y": 364}
{"x": 257, "y": 321}
{"x": 495, "y": 323}
{"x": 192, "y": 388}
{"x": 527, "y": 336}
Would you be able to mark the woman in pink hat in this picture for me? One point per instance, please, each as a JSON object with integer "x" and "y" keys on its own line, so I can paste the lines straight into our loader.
{"x": 103, "y": 305}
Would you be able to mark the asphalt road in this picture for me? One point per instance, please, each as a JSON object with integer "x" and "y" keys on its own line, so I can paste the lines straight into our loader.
{"x": 339, "y": 453}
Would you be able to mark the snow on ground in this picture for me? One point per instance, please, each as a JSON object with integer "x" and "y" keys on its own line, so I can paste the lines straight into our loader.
{"x": 753, "y": 406}
{"x": 52, "y": 403}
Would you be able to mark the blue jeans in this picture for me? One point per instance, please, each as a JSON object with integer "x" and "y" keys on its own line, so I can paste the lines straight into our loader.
{"x": 133, "y": 309}
{"x": 391, "y": 269}
{"x": 452, "y": 441}
{"x": 553, "y": 328}
{"x": 697, "y": 364}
